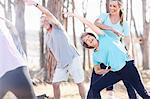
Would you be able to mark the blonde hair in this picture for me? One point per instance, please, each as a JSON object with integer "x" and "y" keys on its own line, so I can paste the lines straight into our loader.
{"x": 121, "y": 10}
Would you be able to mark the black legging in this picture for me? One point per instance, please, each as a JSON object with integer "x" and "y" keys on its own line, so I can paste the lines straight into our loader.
{"x": 127, "y": 73}
{"x": 18, "y": 82}
{"x": 130, "y": 89}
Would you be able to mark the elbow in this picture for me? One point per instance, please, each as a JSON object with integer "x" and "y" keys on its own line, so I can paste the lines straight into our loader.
{"x": 96, "y": 72}
{"x": 96, "y": 23}
{"x": 99, "y": 25}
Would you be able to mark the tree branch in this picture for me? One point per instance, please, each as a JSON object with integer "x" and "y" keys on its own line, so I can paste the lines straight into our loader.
{"x": 2, "y": 4}
{"x": 12, "y": 3}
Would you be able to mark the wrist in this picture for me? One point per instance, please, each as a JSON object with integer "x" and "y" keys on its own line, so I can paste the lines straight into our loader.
{"x": 111, "y": 29}
{"x": 36, "y": 4}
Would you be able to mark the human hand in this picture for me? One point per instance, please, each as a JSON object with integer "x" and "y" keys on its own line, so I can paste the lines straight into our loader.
{"x": 30, "y": 2}
{"x": 103, "y": 71}
{"x": 117, "y": 32}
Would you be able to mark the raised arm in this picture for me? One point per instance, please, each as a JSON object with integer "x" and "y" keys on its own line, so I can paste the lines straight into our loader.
{"x": 86, "y": 22}
{"x": 45, "y": 11}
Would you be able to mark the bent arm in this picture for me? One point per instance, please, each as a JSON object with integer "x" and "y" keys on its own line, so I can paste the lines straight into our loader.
{"x": 99, "y": 24}
{"x": 99, "y": 70}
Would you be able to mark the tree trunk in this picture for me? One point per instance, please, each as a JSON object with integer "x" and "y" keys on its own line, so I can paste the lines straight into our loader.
{"x": 41, "y": 36}
{"x": 145, "y": 44}
{"x": 73, "y": 21}
{"x": 86, "y": 57}
{"x": 7, "y": 9}
{"x": 55, "y": 6}
{"x": 20, "y": 23}
{"x": 65, "y": 9}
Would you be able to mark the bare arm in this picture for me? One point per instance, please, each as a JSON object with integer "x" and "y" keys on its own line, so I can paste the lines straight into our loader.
{"x": 99, "y": 24}
{"x": 50, "y": 16}
{"x": 99, "y": 70}
{"x": 86, "y": 22}
{"x": 45, "y": 11}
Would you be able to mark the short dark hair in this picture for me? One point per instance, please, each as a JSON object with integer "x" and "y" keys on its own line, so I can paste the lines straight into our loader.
{"x": 83, "y": 43}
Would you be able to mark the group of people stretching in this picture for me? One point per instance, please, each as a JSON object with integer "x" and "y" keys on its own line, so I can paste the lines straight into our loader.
{"x": 110, "y": 57}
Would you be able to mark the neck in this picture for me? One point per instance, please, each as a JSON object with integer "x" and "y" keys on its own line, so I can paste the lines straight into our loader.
{"x": 97, "y": 46}
{"x": 49, "y": 29}
{"x": 114, "y": 15}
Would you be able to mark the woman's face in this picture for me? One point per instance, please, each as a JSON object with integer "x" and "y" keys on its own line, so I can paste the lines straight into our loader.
{"x": 90, "y": 41}
{"x": 44, "y": 22}
{"x": 114, "y": 7}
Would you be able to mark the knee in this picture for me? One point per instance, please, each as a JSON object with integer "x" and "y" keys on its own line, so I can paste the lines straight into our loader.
{"x": 56, "y": 85}
{"x": 95, "y": 89}
{"x": 80, "y": 84}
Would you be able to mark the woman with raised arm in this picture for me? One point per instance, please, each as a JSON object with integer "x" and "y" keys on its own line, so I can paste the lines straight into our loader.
{"x": 117, "y": 68}
{"x": 66, "y": 55}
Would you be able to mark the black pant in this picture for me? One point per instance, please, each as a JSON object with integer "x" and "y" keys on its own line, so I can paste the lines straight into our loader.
{"x": 130, "y": 89}
{"x": 18, "y": 82}
{"x": 128, "y": 73}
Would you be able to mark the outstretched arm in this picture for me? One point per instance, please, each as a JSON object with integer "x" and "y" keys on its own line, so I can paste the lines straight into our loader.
{"x": 45, "y": 11}
{"x": 86, "y": 22}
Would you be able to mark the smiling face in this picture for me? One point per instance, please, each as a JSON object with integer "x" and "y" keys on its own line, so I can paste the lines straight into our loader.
{"x": 89, "y": 40}
{"x": 114, "y": 7}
